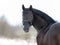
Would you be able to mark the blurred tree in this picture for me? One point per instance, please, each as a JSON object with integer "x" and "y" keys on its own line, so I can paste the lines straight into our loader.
{"x": 2, "y": 25}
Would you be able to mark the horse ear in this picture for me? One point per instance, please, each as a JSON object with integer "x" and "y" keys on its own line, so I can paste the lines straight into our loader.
{"x": 23, "y": 7}
{"x": 30, "y": 7}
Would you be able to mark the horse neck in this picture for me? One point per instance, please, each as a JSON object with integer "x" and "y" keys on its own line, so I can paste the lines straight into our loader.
{"x": 40, "y": 24}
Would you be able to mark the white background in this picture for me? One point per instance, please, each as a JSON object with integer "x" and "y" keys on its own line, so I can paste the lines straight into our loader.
{"x": 12, "y": 9}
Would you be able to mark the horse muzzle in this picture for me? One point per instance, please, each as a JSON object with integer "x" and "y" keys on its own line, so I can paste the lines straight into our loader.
{"x": 26, "y": 29}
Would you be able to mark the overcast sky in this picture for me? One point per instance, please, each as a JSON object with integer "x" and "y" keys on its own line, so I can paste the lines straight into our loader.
{"x": 12, "y": 9}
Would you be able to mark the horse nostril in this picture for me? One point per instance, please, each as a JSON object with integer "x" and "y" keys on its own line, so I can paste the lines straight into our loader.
{"x": 26, "y": 29}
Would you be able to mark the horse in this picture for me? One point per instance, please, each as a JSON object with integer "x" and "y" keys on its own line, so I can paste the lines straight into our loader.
{"x": 47, "y": 28}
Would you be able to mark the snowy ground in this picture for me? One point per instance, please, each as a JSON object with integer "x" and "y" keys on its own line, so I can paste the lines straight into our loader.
{"x": 5, "y": 41}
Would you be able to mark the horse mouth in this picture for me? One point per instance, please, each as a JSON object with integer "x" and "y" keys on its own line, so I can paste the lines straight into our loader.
{"x": 26, "y": 29}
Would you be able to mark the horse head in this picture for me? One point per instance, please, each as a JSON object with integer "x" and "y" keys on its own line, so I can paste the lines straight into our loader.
{"x": 27, "y": 17}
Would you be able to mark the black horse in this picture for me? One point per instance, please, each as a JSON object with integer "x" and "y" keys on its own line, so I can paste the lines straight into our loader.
{"x": 41, "y": 22}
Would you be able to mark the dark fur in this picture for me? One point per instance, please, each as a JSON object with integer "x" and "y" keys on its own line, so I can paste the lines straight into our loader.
{"x": 43, "y": 24}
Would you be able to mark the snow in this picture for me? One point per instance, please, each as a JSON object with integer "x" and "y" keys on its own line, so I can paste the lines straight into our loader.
{"x": 5, "y": 41}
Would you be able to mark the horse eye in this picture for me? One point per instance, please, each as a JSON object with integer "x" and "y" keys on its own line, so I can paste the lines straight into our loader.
{"x": 41, "y": 26}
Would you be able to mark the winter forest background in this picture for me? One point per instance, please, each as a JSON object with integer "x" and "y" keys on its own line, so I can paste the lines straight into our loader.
{"x": 14, "y": 35}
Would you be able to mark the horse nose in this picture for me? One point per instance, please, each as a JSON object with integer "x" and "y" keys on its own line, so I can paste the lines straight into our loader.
{"x": 26, "y": 29}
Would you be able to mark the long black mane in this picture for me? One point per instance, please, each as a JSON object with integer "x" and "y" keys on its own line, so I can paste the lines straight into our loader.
{"x": 43, "y": 15}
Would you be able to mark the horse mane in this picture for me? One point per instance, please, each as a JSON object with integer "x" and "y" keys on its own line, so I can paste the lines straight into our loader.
{"x": 43, "y": 15}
